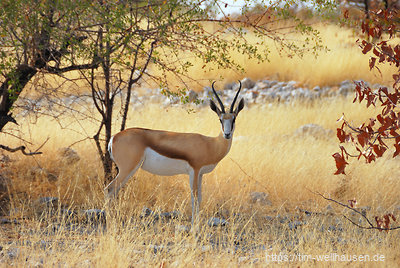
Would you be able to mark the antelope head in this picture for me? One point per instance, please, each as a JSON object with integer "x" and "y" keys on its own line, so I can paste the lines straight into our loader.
{"x": 227, "y": 119}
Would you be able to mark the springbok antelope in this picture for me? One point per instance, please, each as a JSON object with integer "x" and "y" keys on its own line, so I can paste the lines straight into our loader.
{"x": 170, "y": 153}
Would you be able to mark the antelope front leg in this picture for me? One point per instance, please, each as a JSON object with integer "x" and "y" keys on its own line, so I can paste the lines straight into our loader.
{"x": 196, "y": 198}
{"x": 199, "y": 197}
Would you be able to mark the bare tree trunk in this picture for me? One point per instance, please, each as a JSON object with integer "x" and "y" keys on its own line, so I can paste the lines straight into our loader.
{"x": 106, "y": 110}
{"x": 11, "y": 88}
{"x": 386, "y": 4}
{"x": 43, "y": 53}
{"x": 107, "y": 164}
{"x": 366, "y": 3}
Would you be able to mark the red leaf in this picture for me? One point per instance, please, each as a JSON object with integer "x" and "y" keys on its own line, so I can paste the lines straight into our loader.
{"x": 397, "y": 152}
{"x": 340, "y": 163}
{"x": 393, "y": 133}
{"x": 381, "y": 142}
{"x": 372, "y": 61}
{"x": 396, "y": 79}
{"x": 346, "y": 14}
{"x": 364, "y": 26}
{"x": 363, "y": 138}
{"x": 382, "y": 58}
{"x": 376, "y": 52}
{"x": 397, "y": 49}
{"x": 379, "y": 150}
{"x": 382, "y": 129}
{"x": 387, "y": 49}
{"x": 397, "y": 139}
{"x": 371, "y": 122}
{"x": 380, "y": 119}
{"x": 386, "y": 221}
{"x": 379, "y": 222}
{"x": 367, "y": 47}
{"x": 352, "y": 202}
{"x": 371, "y": 32}
{"x": 384, "y": 90}
{"x": 371, "y": 157}
{"x": 341, "y": 134}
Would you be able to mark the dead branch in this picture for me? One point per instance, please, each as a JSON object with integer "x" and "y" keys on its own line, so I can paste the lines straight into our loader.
{"x": 23, "y": 149}
{"x": 371, "y": 225}
{"x": 20, "y": 148}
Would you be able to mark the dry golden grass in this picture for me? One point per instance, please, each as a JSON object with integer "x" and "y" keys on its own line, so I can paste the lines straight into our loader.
{"x": 343, "y": 60}
{"x": 266, "y": 156}
{"x": 265, "y": 149}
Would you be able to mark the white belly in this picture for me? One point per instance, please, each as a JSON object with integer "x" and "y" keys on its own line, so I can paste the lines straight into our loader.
{"x": 207, "y": 169}
{"x": 161, "y": 165}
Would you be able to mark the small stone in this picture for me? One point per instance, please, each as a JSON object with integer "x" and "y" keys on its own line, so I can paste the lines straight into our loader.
{"x": 192, "y": 95}
{"x": 8, "y": 221}
{"x": 243, "y": 259}
{"x": 146, "y": 212}
{"x": 364, "y": 210}
{"x": 308, "y": 213}
{"x": 51, "y": 177}
{"x": 248, "y": 83}
{"x": 269, "y": 218}
{"x": 262, "y": 85}
{"x": 260, "y": 198}
{"x": 68, "y": 213}
{"x": 206, "y": 248}
{"x": 230, "y": 86}
{"x": 255, "y": 260}
{"x": 346, "y": 88}
{"x": 68, "y": 155}
{"x": 94, "y": 215}
{"x": 40, "y": 173}
{"x": 396, "y": 210}
{"x": 181, "y": 229}
{"x": 313, "y": 130}
{"x": 5, "y": 159}
{"x": 333, "y": 228}
{"x": 4, "y": 194}
{"x": 46, "y": 205}
{"x": 213, "y": 222}
{"x": 49, "y": 201}
{"x": 156, "y": 248}
{"x": 13, "y": 253}
{"x": 282, "y": 219}
{"x": 294, "y": 224}
{"x": 170, "y": 215}
{"x": 35, "y": 263}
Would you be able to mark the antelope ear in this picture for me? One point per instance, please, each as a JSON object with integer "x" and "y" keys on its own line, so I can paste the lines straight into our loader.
{"x": 215, "y": 108}
{"x": 240, "y": 106}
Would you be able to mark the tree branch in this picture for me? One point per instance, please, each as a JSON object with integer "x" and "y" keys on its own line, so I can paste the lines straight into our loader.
{"x": 20, "y": 148}
{"x": 370, "y": 227}
{"x": 55, "y": 70}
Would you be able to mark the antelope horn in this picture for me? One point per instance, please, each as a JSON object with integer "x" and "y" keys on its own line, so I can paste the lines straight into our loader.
{"x": 218, "y": 99}
{"x": 234, "y": 100}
